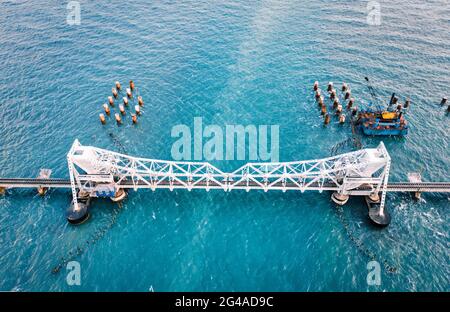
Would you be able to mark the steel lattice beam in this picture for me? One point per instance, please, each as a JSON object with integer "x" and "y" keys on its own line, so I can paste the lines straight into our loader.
{"x": 91, "y": 166}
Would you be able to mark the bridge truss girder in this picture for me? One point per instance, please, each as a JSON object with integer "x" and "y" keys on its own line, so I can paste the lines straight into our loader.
{"x": 91, "y": 166}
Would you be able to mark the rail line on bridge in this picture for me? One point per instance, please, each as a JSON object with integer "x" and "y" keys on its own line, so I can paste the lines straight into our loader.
{"x": 432, "y": 187}
{"x": 96, "y": 172}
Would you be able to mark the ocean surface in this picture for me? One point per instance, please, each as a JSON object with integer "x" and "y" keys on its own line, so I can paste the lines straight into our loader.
{"x": 229, "y": 62}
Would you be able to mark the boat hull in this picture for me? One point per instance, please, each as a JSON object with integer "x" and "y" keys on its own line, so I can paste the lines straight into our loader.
{"x": 384, "y": 132}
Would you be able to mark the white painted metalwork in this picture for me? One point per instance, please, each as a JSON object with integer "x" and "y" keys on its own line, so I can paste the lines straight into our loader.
{"x": 357, "y": 173}
{"x": 385, "y": 182}
{"x": 72, "y": 172}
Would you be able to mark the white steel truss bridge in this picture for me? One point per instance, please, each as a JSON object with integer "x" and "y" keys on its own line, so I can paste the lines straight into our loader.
{"x": 98, "y": 171}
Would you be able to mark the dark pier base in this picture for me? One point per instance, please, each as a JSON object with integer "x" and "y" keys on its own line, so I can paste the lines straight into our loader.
{"x": 78, "y": 216}
{"x": 374, "y": 213}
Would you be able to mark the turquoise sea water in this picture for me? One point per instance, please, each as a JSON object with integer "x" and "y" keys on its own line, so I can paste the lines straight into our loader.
{"x": 229, "y": 62}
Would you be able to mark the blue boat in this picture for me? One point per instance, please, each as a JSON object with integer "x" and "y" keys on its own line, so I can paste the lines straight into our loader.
{"x": 382, "y": 123}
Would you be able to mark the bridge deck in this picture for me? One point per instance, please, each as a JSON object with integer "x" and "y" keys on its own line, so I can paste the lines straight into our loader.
{"x": 437, "y": 187}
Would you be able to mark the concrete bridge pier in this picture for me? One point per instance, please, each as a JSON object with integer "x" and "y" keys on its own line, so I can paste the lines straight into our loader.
{"x": 378, "y": 215}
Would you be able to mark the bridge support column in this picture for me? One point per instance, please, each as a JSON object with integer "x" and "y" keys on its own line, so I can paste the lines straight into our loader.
{"x": 374, "y": 198}
{"x": 78, "y": 211}
{"x": 378, "y": 212}
{"x": 378, "y": 219}
{"x": 417, "y": 195}
{"x": 120, "y": 195}
{"x": 43, "y": 174}
{"x": 340, "y": 199}
{"x": 415, "y": 177}
{"x": 376, "y": 215}
{"x": 81, "y": 213}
